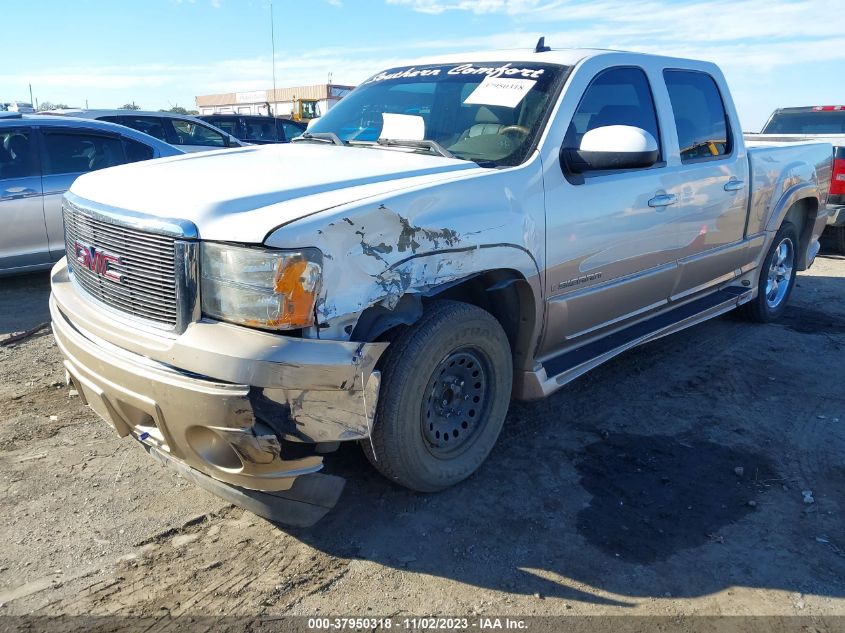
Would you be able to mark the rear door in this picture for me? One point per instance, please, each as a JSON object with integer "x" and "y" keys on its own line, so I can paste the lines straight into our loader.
{"x": 23, "y": 239}
{"x": 610, "y": 235}
{"x": 67, "y": 153}
{"x": 712, "y": 206}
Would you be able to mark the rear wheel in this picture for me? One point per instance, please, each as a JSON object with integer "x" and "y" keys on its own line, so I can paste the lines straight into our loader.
{"x": 777, "y": 277}
{"x": 446, "y": 385}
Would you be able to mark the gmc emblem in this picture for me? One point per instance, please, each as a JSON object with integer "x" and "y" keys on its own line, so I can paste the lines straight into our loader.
{"x": 97, "y": 261}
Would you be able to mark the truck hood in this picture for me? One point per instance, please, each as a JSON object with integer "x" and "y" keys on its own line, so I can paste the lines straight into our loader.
{"x": 241, "y": 195}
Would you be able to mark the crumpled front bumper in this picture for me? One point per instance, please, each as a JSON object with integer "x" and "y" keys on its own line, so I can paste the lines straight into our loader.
{"x": 236, "y": 404}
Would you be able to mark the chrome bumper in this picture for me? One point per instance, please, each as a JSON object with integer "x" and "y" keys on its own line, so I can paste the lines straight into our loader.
{"x": 836, "y": 216}
{"x": 220, "y": 398}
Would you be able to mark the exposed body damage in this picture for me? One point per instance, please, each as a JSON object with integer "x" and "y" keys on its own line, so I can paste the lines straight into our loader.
{"x": 397, "y": 290}
{"x": 379, "y": 251}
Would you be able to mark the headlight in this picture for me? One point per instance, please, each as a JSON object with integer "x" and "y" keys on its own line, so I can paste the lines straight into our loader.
{"x": 260, "y": 287}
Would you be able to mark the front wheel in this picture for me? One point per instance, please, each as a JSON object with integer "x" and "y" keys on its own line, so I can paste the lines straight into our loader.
{"x": 777, "y": 277}
{"x": 446, "y": 386}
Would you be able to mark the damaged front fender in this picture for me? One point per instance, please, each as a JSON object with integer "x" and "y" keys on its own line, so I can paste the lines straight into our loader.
{"x": 376, "y": 252}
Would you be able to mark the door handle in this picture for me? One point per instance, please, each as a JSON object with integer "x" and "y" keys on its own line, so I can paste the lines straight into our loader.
{"x": 16, "y": 193}
{"x": 663, "y": 200}
{"x": 734, "y": 184}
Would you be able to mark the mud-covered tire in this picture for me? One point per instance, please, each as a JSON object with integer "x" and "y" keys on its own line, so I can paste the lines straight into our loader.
{"x": 777, "y": 280}
{"x": 445, "y": 391}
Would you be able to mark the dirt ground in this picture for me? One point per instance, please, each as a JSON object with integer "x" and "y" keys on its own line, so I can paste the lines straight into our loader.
{"x": 668, "y": 482}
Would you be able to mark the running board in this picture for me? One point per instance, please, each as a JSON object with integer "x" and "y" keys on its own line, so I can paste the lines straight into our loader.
{"x": 567, "y": 366}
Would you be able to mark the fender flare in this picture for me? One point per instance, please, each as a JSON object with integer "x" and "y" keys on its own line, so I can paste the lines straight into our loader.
{"x": 789, "y": 199}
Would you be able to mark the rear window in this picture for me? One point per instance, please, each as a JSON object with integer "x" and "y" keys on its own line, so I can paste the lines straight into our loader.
{"x": 227, "y": 124}
{"x": 79, "y": 153}
{"x": 17, "y": 155}
{"x": 147, "y": 124}
{"x": 288, "y": 130}
{"x": 821, "y": 122}
{"x": 260, "y": 129}
{"x": 192, "y": 133}
{"x": 700, "y": 118}
{"x": 136, "y": 151}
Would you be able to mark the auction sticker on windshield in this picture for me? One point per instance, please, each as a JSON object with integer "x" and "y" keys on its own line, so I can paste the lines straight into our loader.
{"x": 500, "y": 92}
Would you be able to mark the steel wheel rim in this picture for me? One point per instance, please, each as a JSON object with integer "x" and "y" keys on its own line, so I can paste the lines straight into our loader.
{"x": 456, "y": 402}
{"x": 780, "y": 273}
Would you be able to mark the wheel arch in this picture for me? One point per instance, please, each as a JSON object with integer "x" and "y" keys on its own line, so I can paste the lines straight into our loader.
{"x": 503, "y": 292}
{"x": 799, "y": 206}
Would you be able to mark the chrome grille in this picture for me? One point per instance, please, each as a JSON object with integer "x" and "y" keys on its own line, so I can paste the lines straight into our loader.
{"x": 145, "y": 264}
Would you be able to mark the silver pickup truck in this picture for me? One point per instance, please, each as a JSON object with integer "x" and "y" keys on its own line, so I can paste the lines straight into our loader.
{"x": 451, "y": 235}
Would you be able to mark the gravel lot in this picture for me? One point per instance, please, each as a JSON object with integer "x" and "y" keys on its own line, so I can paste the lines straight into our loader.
{"x": 667, "y": 482}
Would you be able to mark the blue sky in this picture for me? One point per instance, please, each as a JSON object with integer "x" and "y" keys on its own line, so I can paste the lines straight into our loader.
{"x": 160, "y": 53}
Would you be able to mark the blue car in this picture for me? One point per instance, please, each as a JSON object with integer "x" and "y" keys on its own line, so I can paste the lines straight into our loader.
{"x": 40, "y": 156}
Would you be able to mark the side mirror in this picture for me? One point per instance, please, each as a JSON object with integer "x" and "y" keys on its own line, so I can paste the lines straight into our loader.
{"x": 312, "y": 122}
{"x": 611, "y": 147}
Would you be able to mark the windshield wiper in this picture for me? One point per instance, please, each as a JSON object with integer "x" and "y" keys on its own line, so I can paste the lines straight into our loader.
{"x": 320, "y": 137}
{"x": 433, "y": 146}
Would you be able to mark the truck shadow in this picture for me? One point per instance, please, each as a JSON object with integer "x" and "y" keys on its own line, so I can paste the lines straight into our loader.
{"x": 23, "y": 302}
{"x": 675, "y": 470}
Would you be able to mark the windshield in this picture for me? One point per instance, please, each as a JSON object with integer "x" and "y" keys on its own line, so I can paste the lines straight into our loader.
{"x": 489, "y": 112}
{"x": 821, "y": 122}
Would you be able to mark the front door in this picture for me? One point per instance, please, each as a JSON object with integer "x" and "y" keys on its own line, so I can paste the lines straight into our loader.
{"x": 611, "y": 238}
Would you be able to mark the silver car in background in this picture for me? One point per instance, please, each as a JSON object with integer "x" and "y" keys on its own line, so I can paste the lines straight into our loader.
{"x": 40, "y": 157}
{"x": 180, "y": 130}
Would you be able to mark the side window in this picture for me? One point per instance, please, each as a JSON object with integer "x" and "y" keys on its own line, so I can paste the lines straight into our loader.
{"x": 259, "y": 129}
{"x": 136, "y": 151}
{"x": 227, "y": 124}
{"x": 703, "y": 131}
{"x": 193, "y": 133}
{"x": 17, "y": 155}
{"x": 617, "y": 96}
{"x": 147, "y": 124}
{"x": 287, "y": 131}
{"x": 69, "y": 153}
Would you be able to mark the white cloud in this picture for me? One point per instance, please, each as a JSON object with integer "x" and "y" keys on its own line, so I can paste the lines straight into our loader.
{"x": 756, "y": 42}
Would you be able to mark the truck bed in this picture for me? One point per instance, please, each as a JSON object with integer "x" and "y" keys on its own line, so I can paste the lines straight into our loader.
{"x": 771, "y": 163}
{"x": 837, "y": 140}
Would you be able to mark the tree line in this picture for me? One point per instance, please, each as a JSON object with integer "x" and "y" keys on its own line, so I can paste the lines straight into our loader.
{"x": 45, "y": 106}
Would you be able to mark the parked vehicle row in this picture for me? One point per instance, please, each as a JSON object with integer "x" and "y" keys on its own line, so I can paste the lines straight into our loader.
{"x": 40, "y": 156}
{"x": 821, "y": 123}
{"x": 185, "y": 132}
{"x": 451, "y": 234}
{"x": 21, "y": 107}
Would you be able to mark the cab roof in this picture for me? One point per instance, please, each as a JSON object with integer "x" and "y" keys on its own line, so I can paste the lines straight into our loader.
{"x": 560, "y": 56}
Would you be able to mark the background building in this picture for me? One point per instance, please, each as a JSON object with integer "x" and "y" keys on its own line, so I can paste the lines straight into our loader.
{"x": 305, "y": 102}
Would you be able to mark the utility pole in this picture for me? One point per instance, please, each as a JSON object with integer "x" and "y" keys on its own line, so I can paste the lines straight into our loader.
{"x": 31, "y": 100}
{"x": 273, "y": 60}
